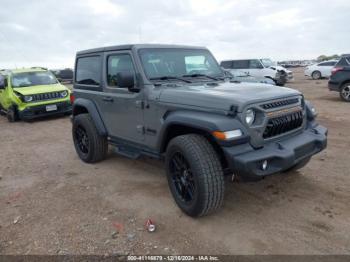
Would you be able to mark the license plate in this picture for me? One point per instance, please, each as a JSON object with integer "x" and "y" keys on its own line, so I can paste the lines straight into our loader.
{"x": 51, "y": 108}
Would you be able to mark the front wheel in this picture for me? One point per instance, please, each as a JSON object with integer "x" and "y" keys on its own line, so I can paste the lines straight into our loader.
{"x": 90, "y": 146}
{"x": 11, "y": 114}
{"x": 345, "y": 92}
{"x": 195, "y": 175}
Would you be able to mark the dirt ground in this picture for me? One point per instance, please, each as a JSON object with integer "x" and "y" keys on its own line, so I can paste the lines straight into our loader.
{"x": 53, "y": 203}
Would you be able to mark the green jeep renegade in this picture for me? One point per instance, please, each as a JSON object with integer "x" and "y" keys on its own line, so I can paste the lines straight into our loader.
{"x": 31, "y": 93}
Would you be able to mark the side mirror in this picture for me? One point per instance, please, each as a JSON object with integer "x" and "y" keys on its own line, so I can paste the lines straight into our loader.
{"x": 2, "y": 82}
{"x": 126, "y": 80}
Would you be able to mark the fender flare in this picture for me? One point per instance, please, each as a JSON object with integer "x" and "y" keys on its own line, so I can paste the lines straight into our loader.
{"x": 205, "y": 121}
{"x": 93, "y": 112}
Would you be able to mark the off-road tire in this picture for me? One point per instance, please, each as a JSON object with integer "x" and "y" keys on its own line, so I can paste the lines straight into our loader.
{"x": 97, "y": 144}
{"x": 11, "y": 114}
{"x": 299, "y": 165}
{"x": 345, "y": 91}
{"x": 316, "y": 75}
{"x": 2, "y": 111}
{"x": 206, "y": 170}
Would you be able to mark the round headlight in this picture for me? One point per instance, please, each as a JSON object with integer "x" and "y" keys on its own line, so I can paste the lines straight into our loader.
{"x": 28, "y": 99}
{"x": 64, "y": 93}
{"x": 250, "y": 116}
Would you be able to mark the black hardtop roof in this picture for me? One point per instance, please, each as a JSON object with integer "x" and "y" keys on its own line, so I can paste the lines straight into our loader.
{"x": 137, "y": 46}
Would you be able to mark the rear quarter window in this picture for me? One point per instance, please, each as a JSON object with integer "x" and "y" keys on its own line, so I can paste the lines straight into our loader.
{"x": 88, "y": 70}
{"x": 327, "y": 64}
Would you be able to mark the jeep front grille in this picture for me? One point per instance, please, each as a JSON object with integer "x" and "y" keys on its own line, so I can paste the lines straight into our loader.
{"x": 282, "y": 124}
{"x": 281, "y": 103}
{"x": 46, "y": 96}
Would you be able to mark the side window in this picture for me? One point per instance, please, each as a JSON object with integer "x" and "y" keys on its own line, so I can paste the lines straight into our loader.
{"x": 325, "y": 64}
{"x": 344, "y": 62}
{"x": 226, "y": 64}
{"x": 240, "y": 64}
{"x": 117, "y": 64}
{"x": 255, "y": 64}
{"x": 88, "y": 70}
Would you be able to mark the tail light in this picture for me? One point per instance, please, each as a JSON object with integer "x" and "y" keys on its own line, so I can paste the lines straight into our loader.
{"x": 72, "y": 98}
{"x": 336, "y": 69}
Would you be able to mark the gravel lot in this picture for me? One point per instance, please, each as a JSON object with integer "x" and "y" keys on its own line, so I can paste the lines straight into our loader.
{"x": 53, "y": 203}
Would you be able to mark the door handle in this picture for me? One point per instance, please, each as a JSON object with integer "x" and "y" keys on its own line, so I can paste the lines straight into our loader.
{"x": 108, "y": 99}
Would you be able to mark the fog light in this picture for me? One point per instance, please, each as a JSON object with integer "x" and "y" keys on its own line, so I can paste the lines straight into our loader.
{"x": 264, "y": 165}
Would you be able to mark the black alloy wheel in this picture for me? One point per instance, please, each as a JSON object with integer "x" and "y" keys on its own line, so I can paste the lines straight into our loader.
{"x": 182, "y": 177}
{"x": 82, "y": 139}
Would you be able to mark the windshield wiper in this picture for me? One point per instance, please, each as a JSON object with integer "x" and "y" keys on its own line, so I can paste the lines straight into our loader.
{"x": 202, "y": 75}
{"x": 170, "y": 78}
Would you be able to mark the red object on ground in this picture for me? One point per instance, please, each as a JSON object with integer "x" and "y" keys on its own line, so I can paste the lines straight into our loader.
{"x": 119, "y": 227}
{"x": 150, "y": 226}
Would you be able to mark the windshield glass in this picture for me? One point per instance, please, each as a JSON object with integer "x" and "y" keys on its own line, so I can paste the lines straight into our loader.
{"x": 33, "y": 79}
{"x": 175, "y": 62}
{"x": 267, "y": 62}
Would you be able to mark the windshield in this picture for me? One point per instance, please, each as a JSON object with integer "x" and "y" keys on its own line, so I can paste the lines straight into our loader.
{"x": 268, "y": 62}
{"x": 177, "y": 63}
{"x": 33, "y": 79}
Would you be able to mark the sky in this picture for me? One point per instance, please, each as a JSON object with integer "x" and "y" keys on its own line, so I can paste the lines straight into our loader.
{"x": 49, "y": 33}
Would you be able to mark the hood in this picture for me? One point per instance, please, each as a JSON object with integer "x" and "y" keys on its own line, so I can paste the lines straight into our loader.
{"x": 222, "y": 96}
{"x": 40, "y": 89}
{"x": 281, "y": 68}
{"x": 254, "y": 79}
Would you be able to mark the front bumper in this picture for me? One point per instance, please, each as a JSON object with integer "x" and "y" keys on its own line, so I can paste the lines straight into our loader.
{"x": 281, "y": 79}
{"x": 280, "y": 155}
{"x": 40, "y": 111}
{"x": 307, "y": 72}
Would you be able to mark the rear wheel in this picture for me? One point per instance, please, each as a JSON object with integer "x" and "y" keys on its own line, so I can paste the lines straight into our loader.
{"x": 316, "y": 75}
{"x": 90, "y": 146}
{"x": 345, "y": 92}
{"x": 195, "y": 175}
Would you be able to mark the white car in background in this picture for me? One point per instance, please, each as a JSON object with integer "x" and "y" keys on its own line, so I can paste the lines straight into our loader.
{"x": 259, "y": 68}
{"x": 268, "y": 63}
{"x": 320, "y": 70}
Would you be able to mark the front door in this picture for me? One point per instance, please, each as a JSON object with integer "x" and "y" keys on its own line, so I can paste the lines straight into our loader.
{"x": 3, "y": 93}
{"x": 256, "y": 68}
{"x": 122, "y": 109}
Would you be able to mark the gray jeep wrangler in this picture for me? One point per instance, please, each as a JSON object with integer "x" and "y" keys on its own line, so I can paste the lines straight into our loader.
{"x": 175, "y": 103}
